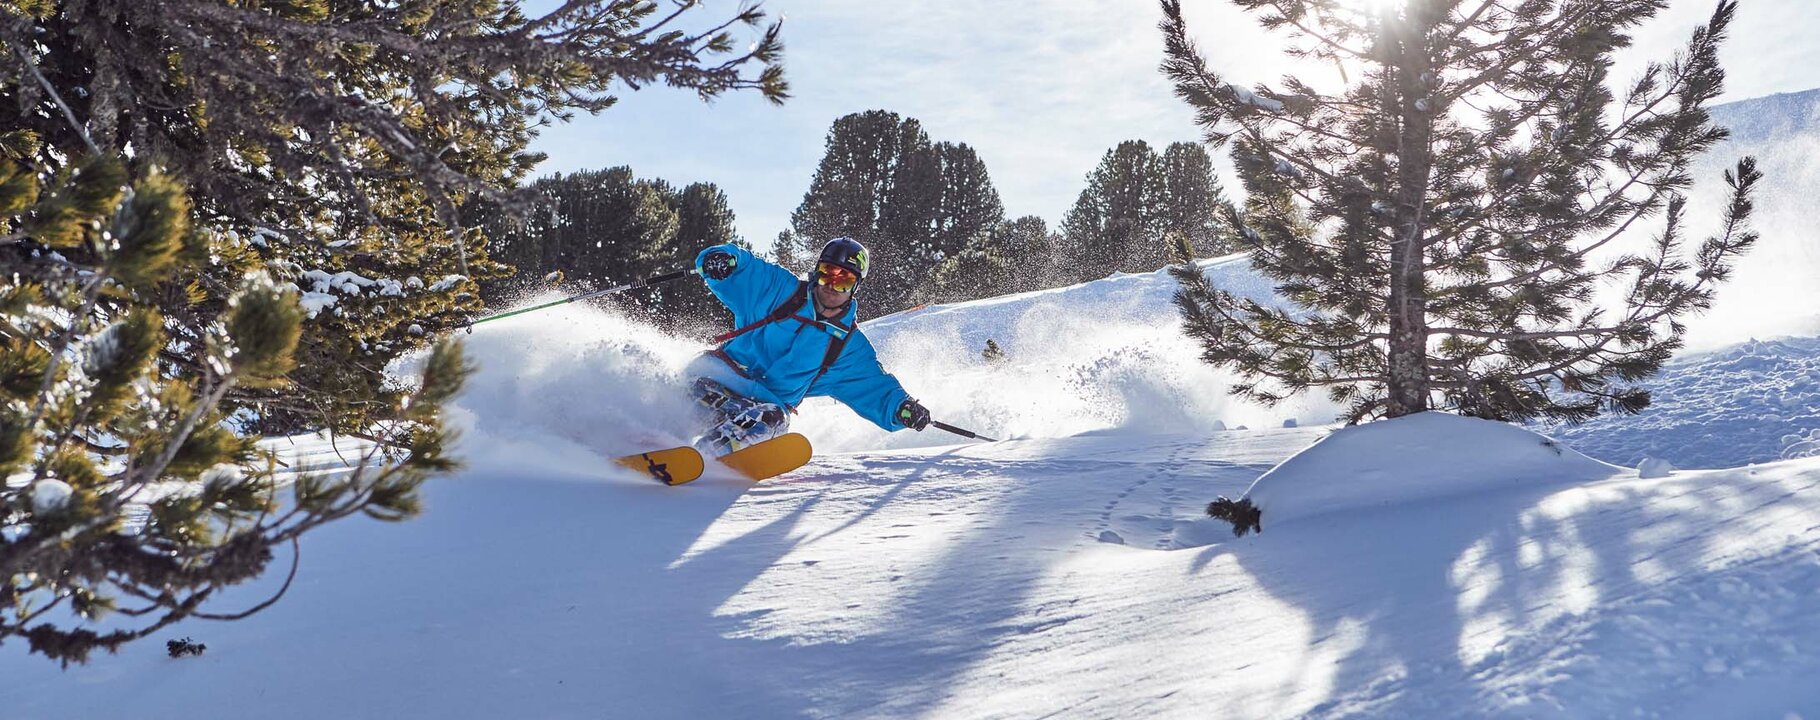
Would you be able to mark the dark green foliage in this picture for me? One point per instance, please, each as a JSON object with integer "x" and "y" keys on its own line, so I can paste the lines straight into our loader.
{"x": 1011, "y": 257}
{"x": 1451, "y": 228}
{"x": 306, "y": 150}
{"x": 81, "y": 194}
{"x": 968, "y": 207}
{"x": 704, "y": 218}
{"x": 336, "y": 139}
{"x": 1133, "y": 199}
{"x": 93, "y": 442}
{"x": 913, "y": 204}
{"x": 149, "y": 231}
{"x": 119, "y": 355}
{"x": 854, "y": 179}
{"x": 788, "y": 252}
{"x": 1244, "y": 516}
{"x": 1113, "y": 224}
{"x": 186, "y": 646}
{"x": 92, "y": 436}
{"x": 1190, "y": 202}
{"x": 602, "y": 228}
{"x": 992, "y": 353}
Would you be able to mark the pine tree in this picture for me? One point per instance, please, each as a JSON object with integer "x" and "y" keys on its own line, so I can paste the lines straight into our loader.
{"x": 847, "y": 195}
{"x": 95, "y": 430}
{"x": 850, "y": 193}
{"x": 911, "y": 202}
{"x": 607, "y": 227}
{"x": 704, "y": 218}
{"x": 904, "y": 247}
{"x": 789, "y": 253}
{"x": 335, "y": 141}
{"x": 1190, "y": 201}
{"x": 1114, "y": 225}
{"x": 969, "y": 204}
{"x": 1012, "y": 257}
{"x": 619, "y": 228}
{"x": 324, "y": 147}
{"x": 1446, "y": 225}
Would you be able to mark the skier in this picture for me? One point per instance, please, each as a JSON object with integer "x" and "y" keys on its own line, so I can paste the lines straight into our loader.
{"x": 793, "y": 339}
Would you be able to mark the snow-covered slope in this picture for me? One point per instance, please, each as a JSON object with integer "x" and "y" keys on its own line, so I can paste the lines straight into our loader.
{"x": 1044, "y": 577}
{"x": 1411, "y": 460}
{"x": 1441, "y": 567}
{"x": 1426, "y": 567}
{"x": 1771, "y": 117}
{"x": 1102, "y": 356}
{"x": 1749, "y": 403}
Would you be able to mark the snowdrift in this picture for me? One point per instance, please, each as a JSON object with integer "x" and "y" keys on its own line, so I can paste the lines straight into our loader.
{"x": 1412, "y": 459}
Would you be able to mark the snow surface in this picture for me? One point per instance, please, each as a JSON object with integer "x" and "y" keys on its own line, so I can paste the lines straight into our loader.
{"x": 1727, "y": 408}
{"x": 1425, "y": 567}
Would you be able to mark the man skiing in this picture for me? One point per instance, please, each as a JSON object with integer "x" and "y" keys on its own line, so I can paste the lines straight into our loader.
{"x": 793, "y": 339}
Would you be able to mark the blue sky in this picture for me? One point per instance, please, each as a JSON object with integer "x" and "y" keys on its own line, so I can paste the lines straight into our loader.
{"x": 1040, "y": 88}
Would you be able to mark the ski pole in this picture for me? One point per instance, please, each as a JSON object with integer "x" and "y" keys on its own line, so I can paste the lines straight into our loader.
{"x": 960, "y": 432}
{"x": 645, "y": 283}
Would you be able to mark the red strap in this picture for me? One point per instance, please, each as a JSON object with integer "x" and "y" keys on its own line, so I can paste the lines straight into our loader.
{"x": 787, "y": 309}
{"x": 722, "y": 338}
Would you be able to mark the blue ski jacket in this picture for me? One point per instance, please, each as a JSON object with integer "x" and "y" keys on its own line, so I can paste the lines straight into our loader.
{"x": 781, "y": 358}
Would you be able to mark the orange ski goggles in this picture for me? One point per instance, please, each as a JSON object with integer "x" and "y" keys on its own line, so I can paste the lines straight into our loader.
{"x": 838, "y": 278}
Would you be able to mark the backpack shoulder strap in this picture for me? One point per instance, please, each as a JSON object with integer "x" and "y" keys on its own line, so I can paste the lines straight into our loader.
{"x": 789, "y": 307}
{"x": 836, "y": 343}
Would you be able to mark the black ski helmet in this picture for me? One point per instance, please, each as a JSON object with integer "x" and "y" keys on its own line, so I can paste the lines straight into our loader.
{"x": 848, "y": 253}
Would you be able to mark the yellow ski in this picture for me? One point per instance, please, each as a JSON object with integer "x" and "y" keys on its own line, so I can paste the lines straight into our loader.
{"x": 674, "y": 466}
{"x": 767, "y": 459}
{"x": 770, "y": 458}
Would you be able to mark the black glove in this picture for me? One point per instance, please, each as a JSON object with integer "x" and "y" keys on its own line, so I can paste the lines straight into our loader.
{"x": 717, "y": 265}
{"x": 913, "y": 415}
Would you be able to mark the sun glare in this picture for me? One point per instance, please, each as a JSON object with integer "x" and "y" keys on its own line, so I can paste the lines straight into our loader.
{"x": 1372, "y": 7}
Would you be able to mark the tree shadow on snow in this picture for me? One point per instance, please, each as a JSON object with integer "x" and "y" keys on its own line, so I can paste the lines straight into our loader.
{"x": 1425, "y": 610}
{"x": 950, "y": 598}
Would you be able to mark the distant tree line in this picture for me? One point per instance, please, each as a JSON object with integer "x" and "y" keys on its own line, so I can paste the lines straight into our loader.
{"x": 927, "y": 210}
{"x": 939, "y": 233}
{"x": 599, "y": 228}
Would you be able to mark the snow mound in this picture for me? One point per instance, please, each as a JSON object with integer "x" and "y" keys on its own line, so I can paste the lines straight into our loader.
{"x": 1654, "y": 468}
{"x": 1411, "y": 459}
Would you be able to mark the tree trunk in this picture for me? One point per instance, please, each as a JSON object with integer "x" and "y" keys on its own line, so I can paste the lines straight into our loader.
{"x": 1406, "y": 41}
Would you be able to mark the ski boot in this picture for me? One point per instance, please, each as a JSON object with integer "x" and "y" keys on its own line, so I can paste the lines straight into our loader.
{"x": 737, "y": 422}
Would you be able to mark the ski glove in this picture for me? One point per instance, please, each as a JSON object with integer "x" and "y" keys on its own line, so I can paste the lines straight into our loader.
{"x": 718, "y": 265}
{"x": 913, "y": 415}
